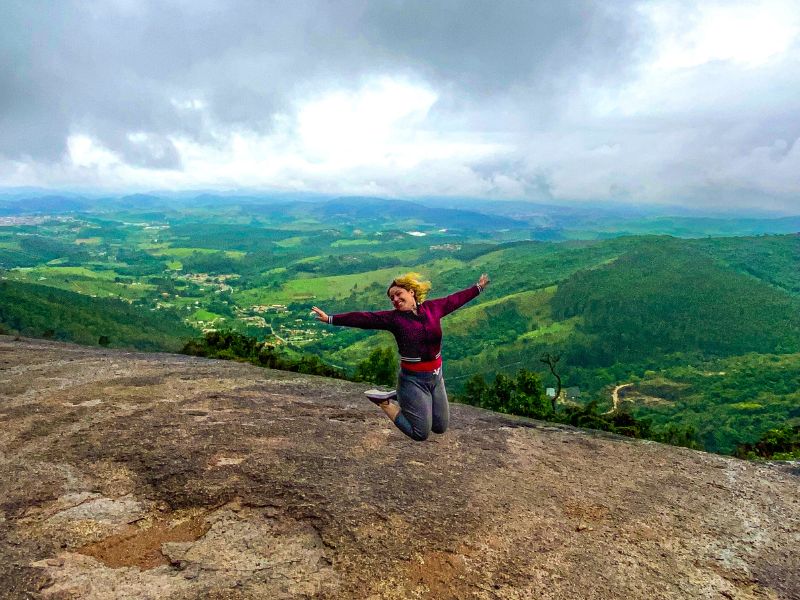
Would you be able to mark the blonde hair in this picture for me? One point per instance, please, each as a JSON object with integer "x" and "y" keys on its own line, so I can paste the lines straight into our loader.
{"x": 413, "y": 283}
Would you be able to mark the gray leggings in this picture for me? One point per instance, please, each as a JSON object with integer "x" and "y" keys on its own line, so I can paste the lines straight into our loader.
{"x": 423, "y": 404}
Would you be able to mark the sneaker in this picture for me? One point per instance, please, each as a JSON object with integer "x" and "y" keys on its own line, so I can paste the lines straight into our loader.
{"x": 380, "y": 396}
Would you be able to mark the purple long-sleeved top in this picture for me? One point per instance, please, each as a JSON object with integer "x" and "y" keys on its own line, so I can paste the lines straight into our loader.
{"x": 419, "y": 336}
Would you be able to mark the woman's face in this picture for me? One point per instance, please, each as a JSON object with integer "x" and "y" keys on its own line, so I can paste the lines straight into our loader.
{"x": 401, "y": 298}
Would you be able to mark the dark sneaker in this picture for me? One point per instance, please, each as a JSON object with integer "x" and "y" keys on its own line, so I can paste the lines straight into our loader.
{"x": 381, "y": 396}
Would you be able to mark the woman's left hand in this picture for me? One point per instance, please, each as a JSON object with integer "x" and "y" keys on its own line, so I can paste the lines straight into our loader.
{"x": 321, "y": 315}
{"x": 484, "y": 280}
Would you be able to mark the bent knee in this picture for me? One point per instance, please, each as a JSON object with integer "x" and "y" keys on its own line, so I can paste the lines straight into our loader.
{"x": 420, "y": 436}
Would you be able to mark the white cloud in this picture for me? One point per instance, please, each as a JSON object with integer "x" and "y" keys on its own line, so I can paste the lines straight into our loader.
{"x": 376, "y": 138}
{"x": 774, "y": 168}
{"x": 83, "y": 151}
{"x": 346, "y": 128}
{"x": 744, "y": 32}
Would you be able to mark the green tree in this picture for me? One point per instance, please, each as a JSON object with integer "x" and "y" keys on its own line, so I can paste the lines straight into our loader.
{"x": 379, "y": 367}
{"x": 781, "y": 444}
{"x": 476, "y": 390}
{"x": 528, "y": 398}
{"x": 502, "y": 390}
{"x": 678, "y": 435}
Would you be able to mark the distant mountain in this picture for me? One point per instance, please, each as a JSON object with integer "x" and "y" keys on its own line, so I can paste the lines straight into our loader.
{"x": 142, "y": 202}
{"x": 545, "y": 221}
{"x": 50, "y": 205}
{"x": 690, "y": 227}
{"x": 380, "y": 208}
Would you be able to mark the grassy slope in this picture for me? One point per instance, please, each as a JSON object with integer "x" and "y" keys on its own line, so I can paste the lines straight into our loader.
{"x": 82, "y": 280}
{"x": 334, "y": 286}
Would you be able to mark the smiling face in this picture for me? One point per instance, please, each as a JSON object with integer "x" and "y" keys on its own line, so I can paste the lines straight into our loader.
{"x": 401, "y": 298}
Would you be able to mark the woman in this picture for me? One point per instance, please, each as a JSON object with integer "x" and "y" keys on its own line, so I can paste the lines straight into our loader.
{"x": 415, "y": 324}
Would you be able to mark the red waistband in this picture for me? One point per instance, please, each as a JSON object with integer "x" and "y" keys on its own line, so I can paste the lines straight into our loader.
{"x": 430, "y": 365}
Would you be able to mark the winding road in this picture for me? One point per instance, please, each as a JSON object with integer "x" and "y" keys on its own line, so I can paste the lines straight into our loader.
{"x": 615, "y": 397}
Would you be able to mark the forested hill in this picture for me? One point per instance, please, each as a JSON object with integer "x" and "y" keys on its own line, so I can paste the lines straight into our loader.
{"x": 670, "y": 298}
{"x": 43, "y": 311}
{"x": 628, "y": 300}
{"x": 774, "y": 259}
{"x": 707, "y": 332}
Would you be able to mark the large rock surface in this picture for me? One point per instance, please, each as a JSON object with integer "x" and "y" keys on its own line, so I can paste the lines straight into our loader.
{"x": 126, "y": 475}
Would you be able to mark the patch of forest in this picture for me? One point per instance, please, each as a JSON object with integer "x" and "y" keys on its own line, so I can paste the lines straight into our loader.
{"x": 42, "y": 311}
{"x": 669, "y": 298}
{"x": 728, "y": 401}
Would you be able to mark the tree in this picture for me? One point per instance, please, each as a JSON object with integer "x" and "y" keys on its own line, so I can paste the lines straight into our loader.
{"x": 528, "y": 398}
{"x": 523, "y": 395}
{"x": 267, "y": 357}
{"x": 499, "y": 398}
{"x": 782, "y": 443}
{"x": 379, "y": 367}
{"x": 678, "y": 435}
{"x": 476, "y": 390}
{"x": 551, "y": 360}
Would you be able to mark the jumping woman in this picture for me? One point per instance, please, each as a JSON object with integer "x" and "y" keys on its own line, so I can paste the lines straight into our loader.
{"x": 415, "y": 323}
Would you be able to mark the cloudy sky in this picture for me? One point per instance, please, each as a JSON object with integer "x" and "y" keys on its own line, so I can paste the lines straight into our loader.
{"x": 680, "y": 102}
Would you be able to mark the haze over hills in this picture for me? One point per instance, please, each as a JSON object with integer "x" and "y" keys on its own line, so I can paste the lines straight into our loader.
{"x": 554, "y": 221}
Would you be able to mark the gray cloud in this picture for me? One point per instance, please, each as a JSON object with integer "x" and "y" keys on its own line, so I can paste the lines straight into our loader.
{"x": 117, "y": 66}
{"x": 486, "y": 47}
{"x": 530, "y": 76}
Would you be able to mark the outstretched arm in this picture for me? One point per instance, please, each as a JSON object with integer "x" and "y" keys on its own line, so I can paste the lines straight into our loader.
{"x": 450, "y": 303}
{"x": 363, "y": 320}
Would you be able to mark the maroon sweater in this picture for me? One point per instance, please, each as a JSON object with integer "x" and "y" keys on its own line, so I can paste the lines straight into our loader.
{"x": 419, "y": 337}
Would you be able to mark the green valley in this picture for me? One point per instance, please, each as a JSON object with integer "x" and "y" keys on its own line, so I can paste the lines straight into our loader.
{"x": 705, "y": 329}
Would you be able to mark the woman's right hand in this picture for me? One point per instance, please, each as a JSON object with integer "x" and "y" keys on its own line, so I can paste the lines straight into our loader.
{"x": 321, "y": 316}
